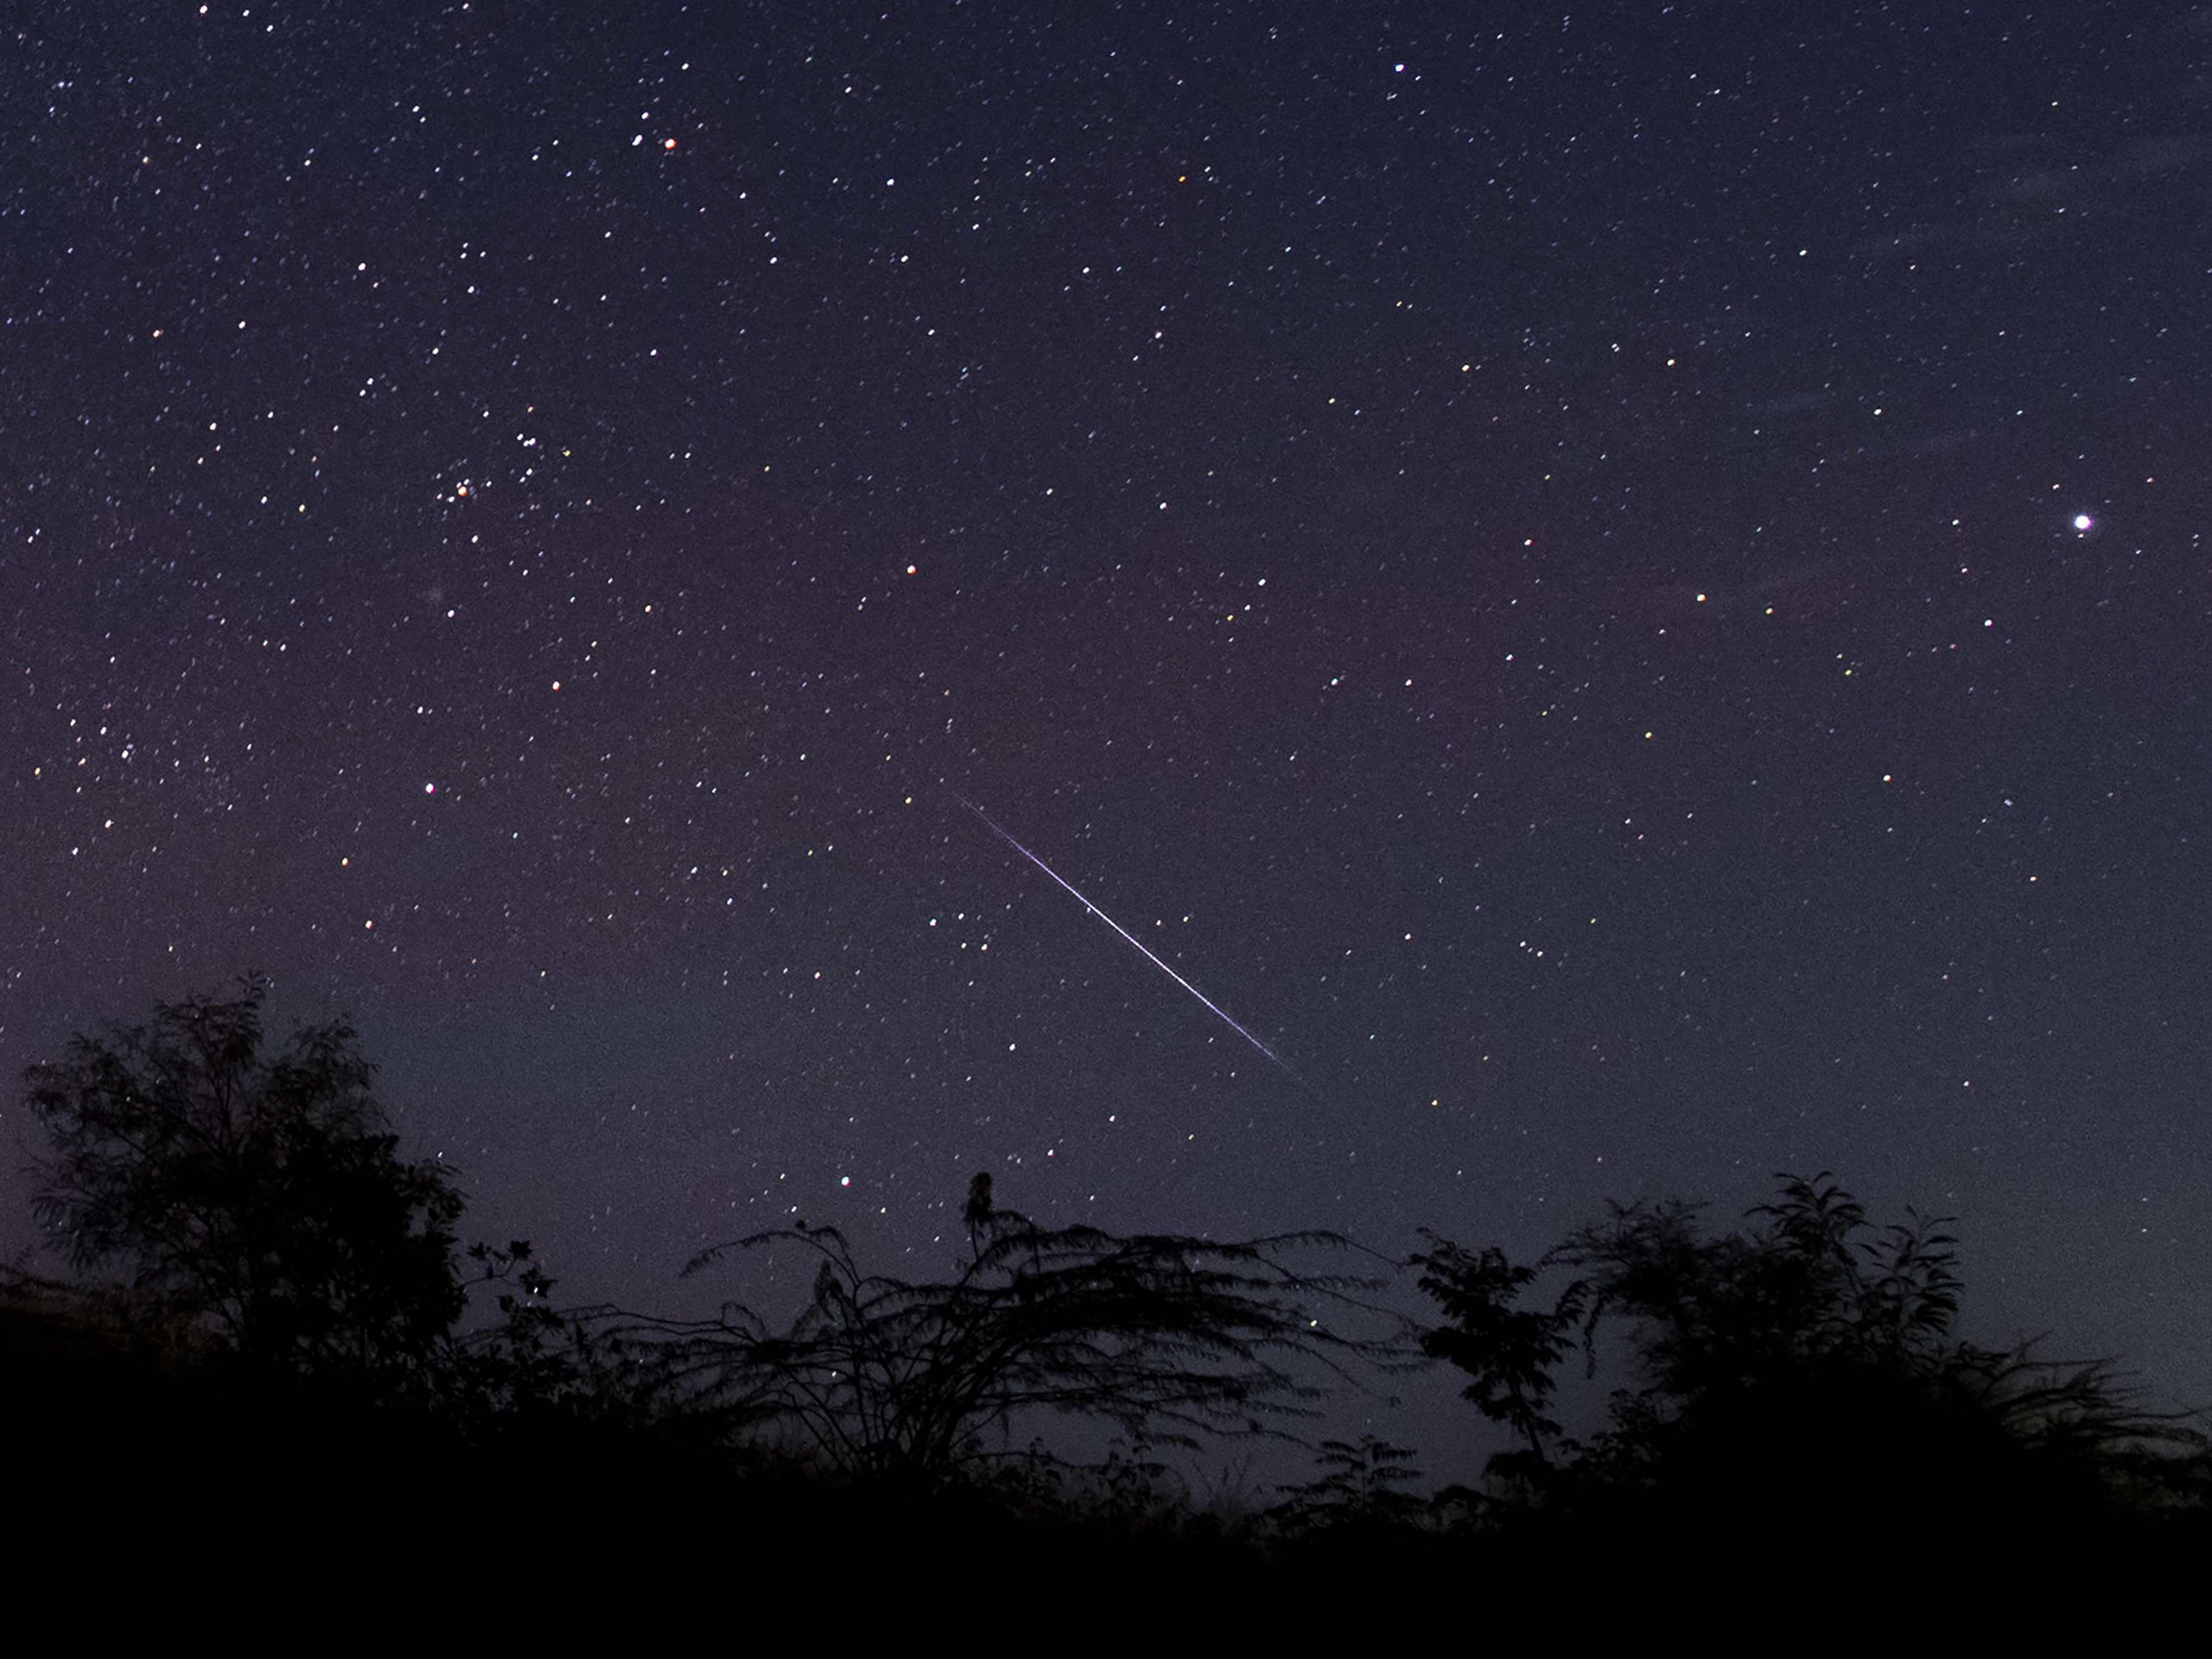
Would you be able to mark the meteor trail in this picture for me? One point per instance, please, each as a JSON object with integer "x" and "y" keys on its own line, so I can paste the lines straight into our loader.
{"x": 1213, "y": 1006}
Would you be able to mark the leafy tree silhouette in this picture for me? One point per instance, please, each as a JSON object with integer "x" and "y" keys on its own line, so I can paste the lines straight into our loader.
{"x": 1809, "y": 1367}
{"x": 1163, "y": 1338}
{"x": 1510, "y": 1351}
{"x": 1807, "y": 1289}
{"x": 261, "y": 1199}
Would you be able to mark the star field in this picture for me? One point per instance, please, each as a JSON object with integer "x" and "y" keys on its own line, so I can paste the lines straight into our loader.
{"x": 1624, "y": 590}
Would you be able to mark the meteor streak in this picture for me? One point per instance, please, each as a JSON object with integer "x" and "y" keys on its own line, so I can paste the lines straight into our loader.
{"x": 1213, "y": 1006}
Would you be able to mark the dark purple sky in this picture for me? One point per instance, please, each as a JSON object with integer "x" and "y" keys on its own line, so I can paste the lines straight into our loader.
{"x": 1535, "y": 565}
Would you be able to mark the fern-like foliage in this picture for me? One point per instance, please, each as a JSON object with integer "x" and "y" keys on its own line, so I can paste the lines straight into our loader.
{"x": 1367, "y": 1483}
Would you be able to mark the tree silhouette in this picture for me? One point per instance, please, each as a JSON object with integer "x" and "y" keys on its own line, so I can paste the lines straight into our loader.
{"x": 260, "y": 1198}
{"x": 1807, "y": 1366}
{"x": 1163, "y": 1338}
{"x": 1809, "y": 1288}
{"x": 1510, "y": 1351}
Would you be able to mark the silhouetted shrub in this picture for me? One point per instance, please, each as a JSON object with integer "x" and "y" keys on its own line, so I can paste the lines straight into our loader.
{"x": 1161, "y": 1338}
{"x": 1800, "y": 1378}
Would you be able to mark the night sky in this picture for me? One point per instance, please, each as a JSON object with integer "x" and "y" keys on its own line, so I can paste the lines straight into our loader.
{"x": 1625, "y": 589}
